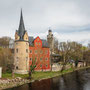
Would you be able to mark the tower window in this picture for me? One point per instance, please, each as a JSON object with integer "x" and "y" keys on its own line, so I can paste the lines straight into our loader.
{"x": 16, "y": 67}
{"x": 17, "y": 50}
{"x": 27, "y": 50}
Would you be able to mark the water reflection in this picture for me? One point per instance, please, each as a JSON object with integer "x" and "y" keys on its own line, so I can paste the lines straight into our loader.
{"x": 79, "y": 80}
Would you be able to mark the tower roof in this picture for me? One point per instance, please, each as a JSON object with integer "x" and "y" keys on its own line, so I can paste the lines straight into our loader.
{"x": 21, "y": 29}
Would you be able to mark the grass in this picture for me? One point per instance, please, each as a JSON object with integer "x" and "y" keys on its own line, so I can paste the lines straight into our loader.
{"x": 41, "y": 75}
{"x": 9, "y": 75}
{"x": 37, "y": 75}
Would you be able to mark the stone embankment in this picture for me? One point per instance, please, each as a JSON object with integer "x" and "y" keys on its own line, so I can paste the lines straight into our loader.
{"x": 8, "y": 83}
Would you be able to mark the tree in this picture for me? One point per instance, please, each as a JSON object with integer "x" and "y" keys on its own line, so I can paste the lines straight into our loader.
{"x": 71, "y": 51}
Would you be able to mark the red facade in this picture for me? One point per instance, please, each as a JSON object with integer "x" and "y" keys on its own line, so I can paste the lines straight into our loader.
{"x": 40, "y": 54}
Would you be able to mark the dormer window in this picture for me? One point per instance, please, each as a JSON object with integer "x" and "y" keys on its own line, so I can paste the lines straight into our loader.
{"x": 27, "y": 50}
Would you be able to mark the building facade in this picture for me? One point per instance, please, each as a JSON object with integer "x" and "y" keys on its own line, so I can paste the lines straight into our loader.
{"x": 40, "y": 54}
{"x": 28, "y": 50}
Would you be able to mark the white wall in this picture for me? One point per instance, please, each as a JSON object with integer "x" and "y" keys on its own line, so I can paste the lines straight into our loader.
{"x": 0, "y": 72}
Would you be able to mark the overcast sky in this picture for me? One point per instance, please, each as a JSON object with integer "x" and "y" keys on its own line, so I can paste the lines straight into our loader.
{"x": 68, "y": 19}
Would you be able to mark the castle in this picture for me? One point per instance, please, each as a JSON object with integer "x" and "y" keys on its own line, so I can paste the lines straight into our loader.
{"x": 28, "y": 49}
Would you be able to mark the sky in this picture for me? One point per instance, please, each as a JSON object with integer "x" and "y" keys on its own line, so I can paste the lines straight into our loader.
{"x": 69, "y": 20}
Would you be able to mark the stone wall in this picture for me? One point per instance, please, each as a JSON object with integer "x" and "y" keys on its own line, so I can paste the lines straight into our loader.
{"x": 21, "y": 57}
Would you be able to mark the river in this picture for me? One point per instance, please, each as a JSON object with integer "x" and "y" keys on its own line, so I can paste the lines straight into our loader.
{"x": 78, "y": 80}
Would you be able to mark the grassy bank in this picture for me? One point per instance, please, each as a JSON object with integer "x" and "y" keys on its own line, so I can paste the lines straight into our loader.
{"x": 42, "y": 75}
{"x": 35, "y": 76}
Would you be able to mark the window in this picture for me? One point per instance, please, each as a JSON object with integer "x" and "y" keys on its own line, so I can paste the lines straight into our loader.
{"x": 35, "y": 51}
{"x": 36, "y": 43}
{"x": 35, "y": 59}
{"x": 41, "y": 65}
{"x": 16, "y": 59}
{"x": 26, "y": 50}
{"x": 39, "y": 43}
{"x": 46, "y": 65}
{"x": 38, "y": 39}
{"x": 40, "y": 59}
{"x": 46, "y": 51}
{"x": 16, "y": 67}
{"x": 41, "y": 51}
{"x": 17, "y": 50}
{"x": 46, "y": 58}
{"x": 30, "y": 59}
{"x": 30, "y": 51}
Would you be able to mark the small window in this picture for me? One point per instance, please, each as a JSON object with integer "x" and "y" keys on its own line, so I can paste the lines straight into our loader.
{"x": 39, "y": 43}
{"x": 35, "y": 51}
{"x": 30, "y": 51}
{"x": 16, "y": 50}
{"x": 46, "y": 59}
{"x": 16, "y": 67}
{"x": 41, "y": 65}
{"x": 35, "y": 59}
{"x": 40, "y": 59}
{"x": 38, "y": 39}
{"x": 46, "y": 65}
{"x": 30, "y": 59}
{"x": 41, "y": 51}
{"x": 46, "y": 51}
{"x": 36, "y": 43}
{"x": 26, "y": 50}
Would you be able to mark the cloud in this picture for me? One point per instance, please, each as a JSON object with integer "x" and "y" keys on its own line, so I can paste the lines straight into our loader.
{"x": 69, "y": 19}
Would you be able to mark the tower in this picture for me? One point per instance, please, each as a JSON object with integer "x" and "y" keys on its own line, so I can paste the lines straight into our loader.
{"x": 21, "y": 49}
{"x": 50, "y": 40}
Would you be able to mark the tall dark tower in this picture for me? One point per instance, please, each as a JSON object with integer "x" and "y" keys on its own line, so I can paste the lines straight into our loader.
{"x": 50, "y": 40}
{"x": 21, "y": 49}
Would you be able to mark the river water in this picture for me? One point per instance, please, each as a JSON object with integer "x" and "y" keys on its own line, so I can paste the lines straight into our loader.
{"x": 78, "y": 80}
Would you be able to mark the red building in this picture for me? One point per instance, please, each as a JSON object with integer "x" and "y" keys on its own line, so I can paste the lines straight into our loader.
{"x": 39, "y": 52}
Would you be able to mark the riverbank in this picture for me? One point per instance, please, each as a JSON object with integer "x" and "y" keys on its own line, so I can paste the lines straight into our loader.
{"x": 8, "y": 82}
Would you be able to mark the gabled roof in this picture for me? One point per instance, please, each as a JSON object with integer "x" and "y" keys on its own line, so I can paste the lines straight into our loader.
{"x": 44, "y": 42}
